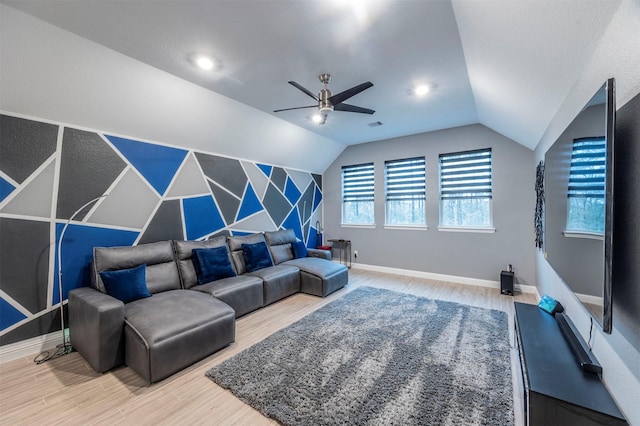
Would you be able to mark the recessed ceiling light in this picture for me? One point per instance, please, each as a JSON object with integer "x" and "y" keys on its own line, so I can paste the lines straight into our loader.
{"x": 421, "y": 90}
{"x": 204, "y": 62}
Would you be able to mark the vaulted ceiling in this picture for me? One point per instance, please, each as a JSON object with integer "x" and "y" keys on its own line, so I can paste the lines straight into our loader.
{"x": 507, "y": 64}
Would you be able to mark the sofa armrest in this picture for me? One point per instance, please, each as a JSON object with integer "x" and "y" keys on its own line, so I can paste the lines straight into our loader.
{"x": 323, "y": 254}
{"x": 96, "y": 328}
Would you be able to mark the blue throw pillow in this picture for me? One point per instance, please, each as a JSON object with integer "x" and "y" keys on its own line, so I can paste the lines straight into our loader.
{"x": 126, "y": 284}
{"x": 212, "y": 264}
{"x": 299, "y": 249}
{"x": 256, "y": 256}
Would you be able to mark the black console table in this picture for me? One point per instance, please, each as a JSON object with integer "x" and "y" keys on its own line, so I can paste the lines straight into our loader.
{"x": 556, "y": 390}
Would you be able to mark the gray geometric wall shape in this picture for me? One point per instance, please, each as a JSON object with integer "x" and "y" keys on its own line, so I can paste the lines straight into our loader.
{"x": 276, "y": 204}
{"x": 34, "y": 199}
{"x": 25, "y": 145}
{"x": 89, "y": 166}
{"x": 24, "y": 264}
{"x": 224, "y": 171}
{"x": 318, "y": 179}
{"x": 189, "y": 181}
{"x": 129, "y": 204}
{"x": 227, "y": 203}
{"x": 165, "y": 225}
{"x": 256, "y": 223}
{"x": 305, "y": 205}
{"x": 258, "y": 179}
{"x": 43, "y": 324}
{"x": 301, "y": 179}
{"x": 279, "y": 178}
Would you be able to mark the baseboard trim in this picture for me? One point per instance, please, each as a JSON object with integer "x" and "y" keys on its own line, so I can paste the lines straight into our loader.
{"x": 29, "y": 347}
{"x": 442, "y": 277}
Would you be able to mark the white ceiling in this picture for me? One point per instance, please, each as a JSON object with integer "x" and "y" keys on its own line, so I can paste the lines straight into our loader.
{"x": 507, "y": 64}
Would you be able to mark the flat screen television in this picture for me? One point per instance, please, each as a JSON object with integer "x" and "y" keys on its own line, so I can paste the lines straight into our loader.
{"x": 578, "y": 181}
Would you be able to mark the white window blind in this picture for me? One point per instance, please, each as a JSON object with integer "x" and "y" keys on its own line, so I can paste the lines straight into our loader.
{"x": 466, "y": 188}
{"x": 586, "y": 190}
{"x": 358, "y": 194}
{"x": 405, "y": 185}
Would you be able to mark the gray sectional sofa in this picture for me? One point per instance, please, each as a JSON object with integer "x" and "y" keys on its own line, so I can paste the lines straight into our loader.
{"x": 181, "y": 320}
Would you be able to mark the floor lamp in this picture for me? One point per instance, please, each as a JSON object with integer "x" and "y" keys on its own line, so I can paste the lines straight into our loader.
{"x": 65, "y": 347}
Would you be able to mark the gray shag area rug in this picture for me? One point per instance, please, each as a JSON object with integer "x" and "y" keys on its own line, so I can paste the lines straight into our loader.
{"x": 379, "y": 357}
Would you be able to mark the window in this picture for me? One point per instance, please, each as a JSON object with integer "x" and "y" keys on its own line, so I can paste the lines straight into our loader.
{"x": 405, "y": 186}
{"x": 586, "y": 186}
{"x": 465, "y": 189}
{"x": 357, "y": 194}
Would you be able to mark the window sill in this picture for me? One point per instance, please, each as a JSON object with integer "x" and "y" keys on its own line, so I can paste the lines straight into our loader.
{"x": 583, "y": 234}
{"x": 467, "y": 229}
{"x": 407, "y": 227}
{"x": 356, "y": 225}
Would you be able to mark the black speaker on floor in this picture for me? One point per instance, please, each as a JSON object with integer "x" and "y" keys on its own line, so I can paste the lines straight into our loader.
{"x": 506, "y": 282}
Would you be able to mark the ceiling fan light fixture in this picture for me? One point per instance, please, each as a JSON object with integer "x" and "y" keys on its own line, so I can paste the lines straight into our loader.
{"x": 317, "y": 118}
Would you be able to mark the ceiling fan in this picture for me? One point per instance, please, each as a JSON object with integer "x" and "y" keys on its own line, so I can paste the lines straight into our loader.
{"x": 328, "y": 102}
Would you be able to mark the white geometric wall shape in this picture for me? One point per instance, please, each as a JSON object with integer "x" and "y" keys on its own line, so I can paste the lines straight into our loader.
{"x": 257, "y": 178}
{"x": 301, "y": 179}
{"x": 190, "y": 181}
{"x": 34, "y": 198}
{"x": 129, "y": 203}
{"x": 255, "y": 223}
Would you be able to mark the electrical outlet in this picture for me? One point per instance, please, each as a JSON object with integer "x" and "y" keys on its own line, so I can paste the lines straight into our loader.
{"x": 355, "y": 253}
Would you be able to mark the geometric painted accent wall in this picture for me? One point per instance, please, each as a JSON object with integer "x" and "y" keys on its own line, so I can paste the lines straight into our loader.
{"x": 154, "y": 192}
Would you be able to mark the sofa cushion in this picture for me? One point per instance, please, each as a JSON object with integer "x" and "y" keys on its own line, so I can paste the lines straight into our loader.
{"x": 280, "y": 244}
{"x": 243, "y": 293}
{"x": 184, "y": 252}
{"x": 235, "y": 246}
{"x": 280, "y": 281}
{"x": 320, "y": 277}
{"x": 212, "y": 264}
{"x": 256, "y": 256}
{"x": 299, "y": 249}
{"x": 162, "y": 271}
{"x": 126, "y": 284}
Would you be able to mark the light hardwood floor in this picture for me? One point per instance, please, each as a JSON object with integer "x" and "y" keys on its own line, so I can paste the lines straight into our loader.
{"x": 67, "y": 390}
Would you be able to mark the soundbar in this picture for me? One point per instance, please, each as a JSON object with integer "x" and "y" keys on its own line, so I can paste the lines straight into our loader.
{"x": 580, "y": 349}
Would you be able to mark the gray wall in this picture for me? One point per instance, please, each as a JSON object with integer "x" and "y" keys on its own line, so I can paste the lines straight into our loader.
{"x": 463, "y": 254}
{"x": 579, "y": 261}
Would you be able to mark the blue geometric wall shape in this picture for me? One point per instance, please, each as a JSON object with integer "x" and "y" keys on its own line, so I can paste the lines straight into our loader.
{"x": 250, "y": 204}
{"x": 77, "y": 253}
{"x": 312, "y": 239}
{"x": 265, "y": 169}
{"x": 9, "y": 315}
{"x": 292, "y": 192}
{"x": 201, "y": 217}
{"x": 158, "y": 164}
{"x": 5, "y": 189}
{"x": 293, "y": 222}
{"x": 316, "y": 199}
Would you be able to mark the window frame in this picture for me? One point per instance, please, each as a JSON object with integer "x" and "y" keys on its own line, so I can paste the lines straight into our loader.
{"x": 418, "y": 193}
{"x": 484, "y": 183}
{"x": 364, "y": 195}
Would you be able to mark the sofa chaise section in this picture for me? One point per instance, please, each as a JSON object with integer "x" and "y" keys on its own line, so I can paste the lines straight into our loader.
{"x": 156, "y": 336}
{"x": 318, "y": 276}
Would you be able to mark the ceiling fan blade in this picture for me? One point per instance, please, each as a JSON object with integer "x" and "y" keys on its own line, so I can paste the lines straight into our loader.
{"x": 352, "y": 108}
{"x": 343, "y": 96}
{"x": 302, "y": 89}
{"x": 289, "y": 109}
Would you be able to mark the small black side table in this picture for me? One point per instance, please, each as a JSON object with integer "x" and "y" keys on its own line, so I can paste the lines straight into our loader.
{"x": 344, "y": 247}
{"x": 506, "y": 283}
